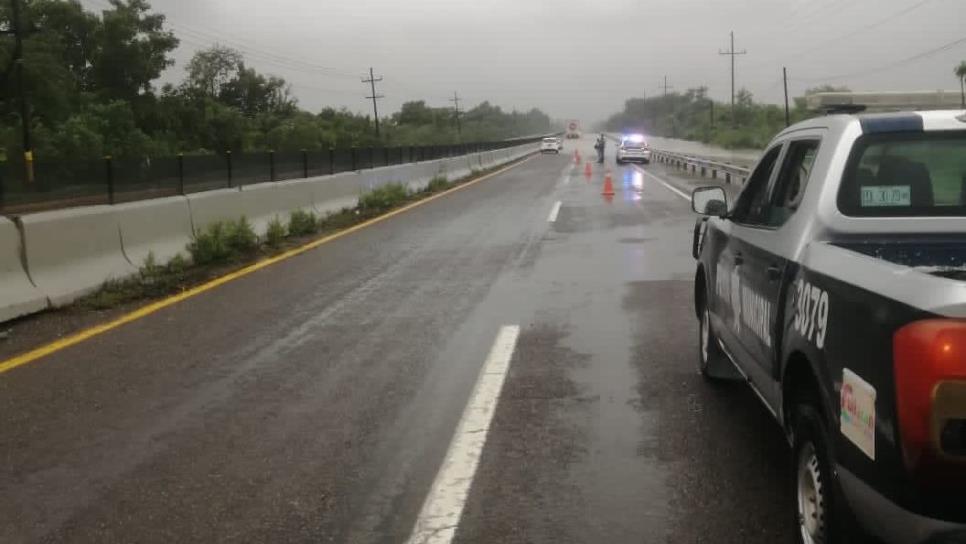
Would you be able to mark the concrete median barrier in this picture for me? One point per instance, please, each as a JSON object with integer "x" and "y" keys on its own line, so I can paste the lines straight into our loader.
{"x": 262, "y": 202}
{"x": 161, "y": 227}
{"x": 18, "y": 295}
{"x": 214, "y": 206}
{"x": 330, "y": 194}
{"x": 70, "y": 253}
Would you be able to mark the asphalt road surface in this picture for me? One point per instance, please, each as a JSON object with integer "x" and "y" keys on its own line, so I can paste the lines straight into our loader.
{"x": 324, "y": 399}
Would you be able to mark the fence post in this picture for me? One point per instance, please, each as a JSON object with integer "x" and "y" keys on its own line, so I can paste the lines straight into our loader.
{"x": 228, "y": 159}
{"x": 331, "y": 160}
{"x": 305, "y": 163}
{"x": 181, "y": 173}
{"x": 354, "y": 158}
{"x": 271, "y": 165}
{"x": 109, "y": 172}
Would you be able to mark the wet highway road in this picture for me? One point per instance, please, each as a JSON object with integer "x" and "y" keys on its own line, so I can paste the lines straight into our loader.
{"x": 317, "y": 399}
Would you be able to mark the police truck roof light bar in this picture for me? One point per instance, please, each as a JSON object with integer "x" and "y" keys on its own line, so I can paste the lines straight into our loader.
{"x": 930, "y": 374}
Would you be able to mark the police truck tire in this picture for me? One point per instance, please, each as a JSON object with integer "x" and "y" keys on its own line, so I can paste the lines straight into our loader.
{"x": 710, "y": 357}
{"x": 820, "y": 514}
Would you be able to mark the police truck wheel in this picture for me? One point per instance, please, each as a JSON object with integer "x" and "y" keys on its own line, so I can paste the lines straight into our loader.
{"x": 820, "y": 516}
{"x": 710, "y": 356}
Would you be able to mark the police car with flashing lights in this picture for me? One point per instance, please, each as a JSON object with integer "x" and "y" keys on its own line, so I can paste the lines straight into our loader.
{"x": 835, "y": 285}
{"x": 633, "y": 148}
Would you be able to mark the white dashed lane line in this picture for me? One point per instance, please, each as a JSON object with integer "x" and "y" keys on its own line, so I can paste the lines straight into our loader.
{"x": 440, "y": 514}
{"x": 554, "y": 212}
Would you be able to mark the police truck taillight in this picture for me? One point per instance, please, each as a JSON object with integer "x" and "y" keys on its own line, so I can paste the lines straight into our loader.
{"x": 930, "y": 375}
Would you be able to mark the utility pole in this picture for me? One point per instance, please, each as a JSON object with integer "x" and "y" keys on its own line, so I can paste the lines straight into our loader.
{"x": 732, "y": 53}
{"x": 665, "y": 86}
{"x": 788, "y": 120}
{"x": 456, "y": 106}
{"x": 375, "y": 110}
{"x": 711, "y": 104}
{"x": 18, "y": 33}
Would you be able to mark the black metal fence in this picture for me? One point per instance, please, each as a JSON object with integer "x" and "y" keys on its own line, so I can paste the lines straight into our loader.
{"x": 60, "y": 184}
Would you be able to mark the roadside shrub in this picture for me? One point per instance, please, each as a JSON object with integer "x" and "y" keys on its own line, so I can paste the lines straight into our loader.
{"x": 385, "y": 197}
{"x": 438, "y": 183}
{"x": 223, "y": 241}
{"x": 210, "y": 245}
{"x": 302, "y": 223}
{"x": 241, "y": 237}
{"x": 152, "y": 280}
{"x": 275, "y": 234}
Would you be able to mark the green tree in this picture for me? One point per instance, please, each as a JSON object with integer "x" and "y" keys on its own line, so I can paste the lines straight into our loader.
{"x": 253, "y": 93}
{"x": 961, "y": 75}
{"x": 209, "y": 70}
{"x": 132, "y": 50}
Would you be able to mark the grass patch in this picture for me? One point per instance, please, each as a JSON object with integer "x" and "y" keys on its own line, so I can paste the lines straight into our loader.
{"x": 302, "y": 223}
{"x": 153, "y": 280}
{"x": 276, "y": 233}
{"x": 222, "y": 242}
{"x": 384, "y": 198}
{"x": 437, "y": 184}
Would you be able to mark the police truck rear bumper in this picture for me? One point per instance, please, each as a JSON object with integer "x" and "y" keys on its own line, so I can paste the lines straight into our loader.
{"x": 892, "y": 523}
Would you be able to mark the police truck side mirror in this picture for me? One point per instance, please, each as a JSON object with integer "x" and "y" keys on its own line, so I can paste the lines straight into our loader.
{"x": 709, "y": 201}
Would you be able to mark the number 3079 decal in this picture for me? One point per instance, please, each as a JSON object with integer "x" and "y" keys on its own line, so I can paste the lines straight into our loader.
{"x": 811, "y": 315}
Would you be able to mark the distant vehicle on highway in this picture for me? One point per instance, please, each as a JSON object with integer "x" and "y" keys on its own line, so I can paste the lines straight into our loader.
{"x": 633, "y": 148}
{"x": 573, "y": 130}
{"x": 551, "y": 145}
{"x": 836, "y": 287}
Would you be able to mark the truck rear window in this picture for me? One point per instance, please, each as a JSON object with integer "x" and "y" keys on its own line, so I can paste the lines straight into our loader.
{"x": 906, "y": 175}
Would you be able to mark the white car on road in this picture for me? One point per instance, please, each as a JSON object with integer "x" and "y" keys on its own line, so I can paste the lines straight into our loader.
{"x": 551, "y": 145}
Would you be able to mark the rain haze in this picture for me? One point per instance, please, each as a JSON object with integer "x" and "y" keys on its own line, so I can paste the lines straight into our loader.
{"x": 573, "y": 58}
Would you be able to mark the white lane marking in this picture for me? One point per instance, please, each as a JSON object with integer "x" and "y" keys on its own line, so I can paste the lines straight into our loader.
{"x": 677, "y": 191}
{"x": 565, "y": 175}
{"x": 553, "y": 212}
{"x": 440, "y": 515}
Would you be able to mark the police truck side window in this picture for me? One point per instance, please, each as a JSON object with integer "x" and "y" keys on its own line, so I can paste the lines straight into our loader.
{"x": 792, "y": 179}
{"x": 753, "y": 203}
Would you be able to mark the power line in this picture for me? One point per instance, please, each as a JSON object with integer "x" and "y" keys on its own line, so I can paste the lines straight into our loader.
{"x": 375, "y": 97}
{"x": 887, "y": 66}
{"x": 732, "y": 53}
{"x": 849, "y": 34}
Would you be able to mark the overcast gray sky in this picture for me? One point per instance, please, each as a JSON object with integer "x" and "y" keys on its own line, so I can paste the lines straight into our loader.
{"x": 573, "y": 58}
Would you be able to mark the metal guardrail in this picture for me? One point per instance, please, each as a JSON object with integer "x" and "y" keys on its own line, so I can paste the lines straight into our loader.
{"x": 731, "y": 173}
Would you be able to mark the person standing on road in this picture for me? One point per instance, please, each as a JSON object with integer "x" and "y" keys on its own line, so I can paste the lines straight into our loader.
{"x": 599, "y": 146}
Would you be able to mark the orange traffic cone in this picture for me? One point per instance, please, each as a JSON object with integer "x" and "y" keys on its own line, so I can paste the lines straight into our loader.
{"x": 576, "y": 156}
{"x": 588, "y": 171}
{"x": 608, "y": 185}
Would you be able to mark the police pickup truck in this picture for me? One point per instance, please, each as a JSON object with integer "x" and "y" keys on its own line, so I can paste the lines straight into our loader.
{"x": 835, "y": 285}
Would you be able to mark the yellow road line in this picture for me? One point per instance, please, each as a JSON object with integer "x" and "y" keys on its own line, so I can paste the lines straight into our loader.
{"x": 86, "y": 334}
